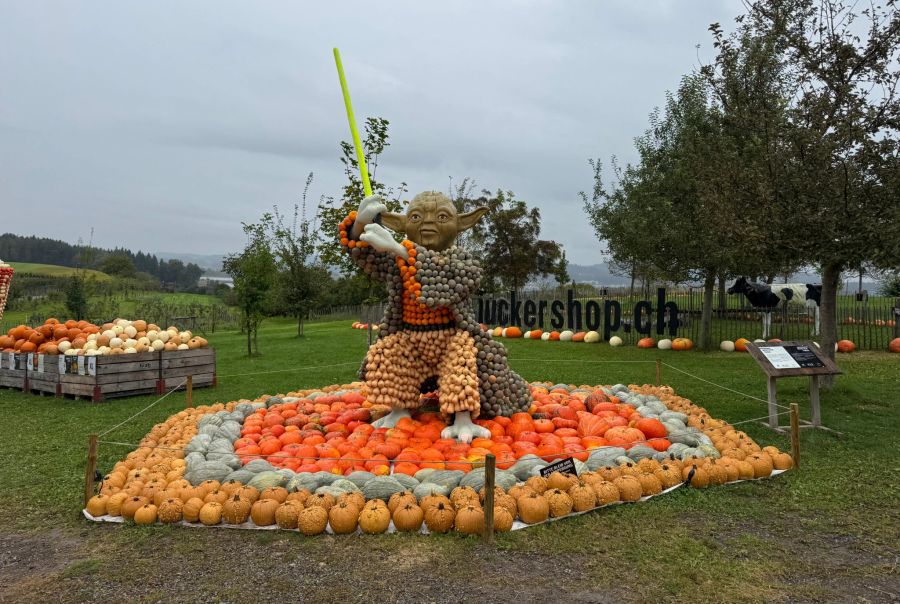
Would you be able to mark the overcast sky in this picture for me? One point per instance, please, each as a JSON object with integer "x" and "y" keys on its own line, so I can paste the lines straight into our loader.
{"x": 164, "y": 125}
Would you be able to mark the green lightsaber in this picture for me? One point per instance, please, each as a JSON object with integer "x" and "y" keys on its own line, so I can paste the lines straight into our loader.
{"x": 360, "y": 156}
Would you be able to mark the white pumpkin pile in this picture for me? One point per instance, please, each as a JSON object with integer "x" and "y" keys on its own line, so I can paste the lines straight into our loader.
{"x": 130, "y": 337}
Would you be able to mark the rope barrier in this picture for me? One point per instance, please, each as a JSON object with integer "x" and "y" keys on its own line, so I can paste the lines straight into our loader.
{"x": 575, "y": 361}
{"x": 356, "y": 363}
{"x": 758, "y": 419}
{"x": 750, "y": 396}
{"x": 144, "y": 409}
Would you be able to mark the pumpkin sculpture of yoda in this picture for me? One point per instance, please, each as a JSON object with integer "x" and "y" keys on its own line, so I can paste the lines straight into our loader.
{"x": 428, "y": 333}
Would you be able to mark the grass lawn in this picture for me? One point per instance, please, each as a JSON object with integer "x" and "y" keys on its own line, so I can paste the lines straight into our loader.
{"x": 825, "y": 532}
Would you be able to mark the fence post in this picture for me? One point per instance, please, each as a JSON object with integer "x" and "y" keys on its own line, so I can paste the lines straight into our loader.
{"x": 489, "y": 469}
{"x": 895, "y": 315}
{"x": 189, "y": 391}
{"x": 795, "y": 434}
{"x": 90, "y": 468}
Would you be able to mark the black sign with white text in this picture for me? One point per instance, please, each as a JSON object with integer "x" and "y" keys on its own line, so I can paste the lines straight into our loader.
{"x": 563, "y": 466}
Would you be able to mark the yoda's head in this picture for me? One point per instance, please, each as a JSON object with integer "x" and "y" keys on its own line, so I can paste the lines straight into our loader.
{"x": 431, "y": 221}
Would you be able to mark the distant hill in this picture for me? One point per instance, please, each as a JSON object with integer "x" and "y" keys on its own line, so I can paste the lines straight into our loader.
{"x": 596, "y": 274}
{"x": 210, "y": 263}
{"x": 54, "y": 270}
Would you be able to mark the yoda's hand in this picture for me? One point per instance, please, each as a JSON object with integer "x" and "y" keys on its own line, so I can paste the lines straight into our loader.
{"x": 381, "y": 239}
{"x": 368, "y": 210}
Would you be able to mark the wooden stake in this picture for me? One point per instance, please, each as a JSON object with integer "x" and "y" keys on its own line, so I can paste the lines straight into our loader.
{"x": 773, "y": 409}
{"x": 490, "y": 465}
{"x": 659, "y": 372}
{"x": 815, "y": 411}
{"x": 90, "y": 469}
{"x": 190, "y": 391}
{"x": 795, "y": 434}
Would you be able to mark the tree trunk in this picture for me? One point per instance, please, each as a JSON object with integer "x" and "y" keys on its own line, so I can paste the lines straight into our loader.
{"x": 300, "y": 325}
{"x": 631, "y": 288}
{"x": 249, "y": 342}
{"x": 709, "y": 285}
{"x": 722, "y": 295}
{"x": 256, "y": 338}
{"x": 831, "y": 276}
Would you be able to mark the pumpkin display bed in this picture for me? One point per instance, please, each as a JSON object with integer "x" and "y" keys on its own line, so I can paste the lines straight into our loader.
{"x": 311, "y": 461}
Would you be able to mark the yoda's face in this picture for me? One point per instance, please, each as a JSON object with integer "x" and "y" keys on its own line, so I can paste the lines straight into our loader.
{"x": 432, "y": 221}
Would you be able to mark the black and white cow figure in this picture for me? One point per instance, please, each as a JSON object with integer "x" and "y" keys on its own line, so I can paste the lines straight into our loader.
{"x": 767, "y": 298}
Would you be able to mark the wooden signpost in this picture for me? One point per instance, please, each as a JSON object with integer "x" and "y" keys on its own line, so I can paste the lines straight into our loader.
{"x": 793, "y": 359}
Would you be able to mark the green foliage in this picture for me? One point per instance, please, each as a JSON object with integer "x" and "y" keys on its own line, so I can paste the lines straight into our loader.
{"x": 301, "y": 277}
{"x": 507, "y": 242}
{"x": 118, "y": 264}
{"x": 891, "y": 285}
{"x": 76, "y": 298}
{"x": 332, "y": 212}
{"x": 254, "y": 273}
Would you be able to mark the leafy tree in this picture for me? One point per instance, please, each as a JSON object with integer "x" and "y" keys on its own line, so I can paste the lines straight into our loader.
{"x": 119, "y": 265}
{"x": 332, "y": 211}
{"x": 253, "y": 271}
{"x": 76, "y": 297}
{"x": 301, "y": 278}
{"x": 843, "y": 134}
{"x": 507, "y": 241}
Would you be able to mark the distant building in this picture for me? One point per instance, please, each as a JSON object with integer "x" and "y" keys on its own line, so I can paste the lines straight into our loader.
{"x": 212, "y": 281}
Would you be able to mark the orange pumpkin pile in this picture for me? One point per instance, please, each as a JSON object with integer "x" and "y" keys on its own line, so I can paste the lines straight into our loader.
{"x": 82, "y": 338}
{"x": 148, "y": 485}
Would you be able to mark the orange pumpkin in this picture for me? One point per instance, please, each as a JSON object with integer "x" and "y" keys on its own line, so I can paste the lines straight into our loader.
{"x": 513, "y": 332}
{"x": 741, "y": 344}
{"x": 682, "y": 344}
{"x": 579, "y": 337}
{"x": 846, "y": 346}
{"x": 894, "y": 346}
{"x": 648, "y": 343}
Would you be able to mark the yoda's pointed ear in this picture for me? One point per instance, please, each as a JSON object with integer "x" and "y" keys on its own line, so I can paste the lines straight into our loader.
{"x": 395, "y": 222}
{"x": 468, "y": 220}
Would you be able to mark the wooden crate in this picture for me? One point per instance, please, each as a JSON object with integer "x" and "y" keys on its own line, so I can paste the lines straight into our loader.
{"x": 109, "y": 376}
{"x": 13, "y": 370}
{"x": 176, "y": 365}
{"x": 43, "y": 374}
{"x": 104, "y": 377}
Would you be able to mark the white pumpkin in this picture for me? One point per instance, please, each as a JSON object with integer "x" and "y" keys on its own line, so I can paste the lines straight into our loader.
{"x": 157, "y": 344}
{"x": 130, "y": 331}
{"x": 163, "y": 336}
{"x": 615, "y": 341}
{"x": 187, "y": 335}
{"x": 144, "y": 341}
{"x": 118, "y": 329}
{"x": 64, "y": 346}
{"x": 727, "y": 346}
{"x": 545, "y": 336}
{"x": 92, "y": 337}
{"x": 90, "y": 345}
{"x": 759, "y": 341}
{"x": 566, "y": 336}
{"x": 664, "y": 344}
{"x": 152, "y": 335}
{"x": 71, "y": 352}
{"x": 130, "y": 350}
{"x": 109, "y": 333}
{"x": 592, "y": 337}
{"x": 183, "y": 347}
{"x": 130, "y": 343}
{"x": 115, "y": 342}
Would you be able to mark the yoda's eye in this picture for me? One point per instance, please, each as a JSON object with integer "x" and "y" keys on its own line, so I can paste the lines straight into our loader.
{"x": 443, "y": 217}
{"x": 415, "y": 217}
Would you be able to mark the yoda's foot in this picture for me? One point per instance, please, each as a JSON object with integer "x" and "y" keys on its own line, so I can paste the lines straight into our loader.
{"x": 390, "y": 420}
{"x": 463, "y": 429}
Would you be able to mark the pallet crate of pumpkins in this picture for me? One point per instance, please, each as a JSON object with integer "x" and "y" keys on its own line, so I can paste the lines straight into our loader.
{"x": 119, "y": 358}
{"x": 311, "y": 461}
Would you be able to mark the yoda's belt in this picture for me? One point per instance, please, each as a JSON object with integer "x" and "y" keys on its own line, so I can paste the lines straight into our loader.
{"x": 429, "y": 327}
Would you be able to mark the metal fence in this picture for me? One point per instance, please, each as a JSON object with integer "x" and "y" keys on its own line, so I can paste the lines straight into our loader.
{"x": 870, "y": 322}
